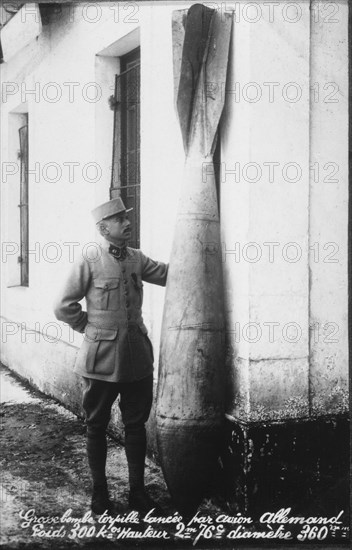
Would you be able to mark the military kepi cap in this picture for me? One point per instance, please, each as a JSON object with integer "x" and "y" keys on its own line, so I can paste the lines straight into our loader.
{"x": 108, "y": 209}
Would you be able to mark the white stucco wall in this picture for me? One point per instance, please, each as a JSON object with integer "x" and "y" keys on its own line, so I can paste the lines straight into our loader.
{"x": 328, "y": 213}
{"x": 283, "y": 303}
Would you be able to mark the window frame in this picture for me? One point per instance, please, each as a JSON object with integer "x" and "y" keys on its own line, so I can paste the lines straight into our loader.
{"x": 24, "y": 204}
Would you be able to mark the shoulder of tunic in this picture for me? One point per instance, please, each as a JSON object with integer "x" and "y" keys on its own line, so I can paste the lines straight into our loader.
{"x": 134, "y": 252}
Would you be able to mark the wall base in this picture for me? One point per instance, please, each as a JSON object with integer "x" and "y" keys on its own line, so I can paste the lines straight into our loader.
{"x": 302, "y": 465}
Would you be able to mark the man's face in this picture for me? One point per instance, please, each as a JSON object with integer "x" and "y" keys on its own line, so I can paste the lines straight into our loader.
{"x": 119, "y": 228}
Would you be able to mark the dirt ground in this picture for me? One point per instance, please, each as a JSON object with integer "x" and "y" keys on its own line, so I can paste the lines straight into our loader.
{"x": 44, "y": 466}
{"x": 44, "y": 471}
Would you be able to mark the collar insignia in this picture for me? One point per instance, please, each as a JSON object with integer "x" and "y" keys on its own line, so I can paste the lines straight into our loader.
{"x": 119, "y": 253}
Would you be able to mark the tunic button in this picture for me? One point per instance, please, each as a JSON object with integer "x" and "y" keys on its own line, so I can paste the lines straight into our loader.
{"x": 106, "y": 285}
{"x": 127, "y": 303}
{"x": 124, "y": 282}
{"x": 128, "y": 316}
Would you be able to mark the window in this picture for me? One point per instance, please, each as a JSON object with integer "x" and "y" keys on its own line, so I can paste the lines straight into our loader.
{"x": 125, "y": 180}
{"x": 23, "y": 205}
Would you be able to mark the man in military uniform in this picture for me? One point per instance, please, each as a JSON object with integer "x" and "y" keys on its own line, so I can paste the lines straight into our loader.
{"x": 116, "y": 357}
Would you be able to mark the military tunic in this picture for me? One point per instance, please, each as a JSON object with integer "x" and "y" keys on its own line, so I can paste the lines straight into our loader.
{"x": 116, "y": 347}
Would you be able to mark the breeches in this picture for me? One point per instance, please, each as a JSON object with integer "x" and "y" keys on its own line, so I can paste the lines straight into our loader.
{"x": 135, "y": 403}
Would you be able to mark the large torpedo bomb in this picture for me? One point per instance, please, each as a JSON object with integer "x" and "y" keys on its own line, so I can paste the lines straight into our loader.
{"x": 190, "y": 408}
